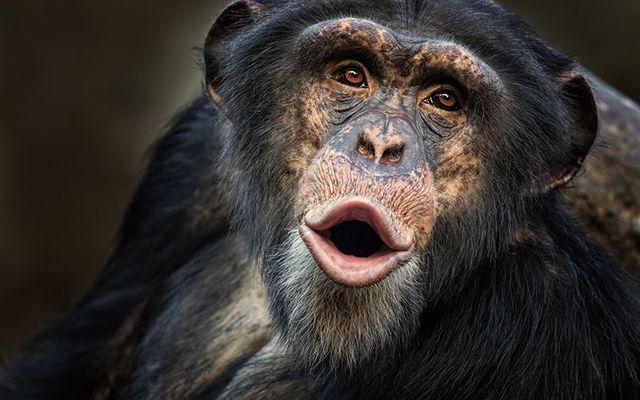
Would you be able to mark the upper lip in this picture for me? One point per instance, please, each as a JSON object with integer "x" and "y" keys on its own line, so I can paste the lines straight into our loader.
{"x": 361, "y": 209}
{"x": 350, "y": 270}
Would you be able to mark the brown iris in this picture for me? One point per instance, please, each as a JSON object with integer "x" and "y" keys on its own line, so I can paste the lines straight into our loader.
{"x": 444, "y": 99}
{"x": 351, "y": 76}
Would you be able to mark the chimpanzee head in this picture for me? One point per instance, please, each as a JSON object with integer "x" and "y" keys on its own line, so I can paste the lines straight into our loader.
{"x": 381, "y": 151}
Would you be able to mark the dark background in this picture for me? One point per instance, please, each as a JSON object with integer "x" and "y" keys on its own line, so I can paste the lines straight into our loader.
{"x": 85, "y": 88}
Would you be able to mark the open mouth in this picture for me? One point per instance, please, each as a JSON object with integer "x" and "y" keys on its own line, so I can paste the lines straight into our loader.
{"x": 356, "y": 242}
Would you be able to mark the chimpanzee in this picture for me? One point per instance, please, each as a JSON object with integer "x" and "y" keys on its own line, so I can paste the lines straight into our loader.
{"x": 365, "y": 206}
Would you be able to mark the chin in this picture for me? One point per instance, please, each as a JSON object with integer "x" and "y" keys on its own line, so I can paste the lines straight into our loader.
{"x": 327, "y": 324}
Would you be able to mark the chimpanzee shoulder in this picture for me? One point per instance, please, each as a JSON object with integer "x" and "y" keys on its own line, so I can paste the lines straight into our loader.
{"x": 167, "y": 221}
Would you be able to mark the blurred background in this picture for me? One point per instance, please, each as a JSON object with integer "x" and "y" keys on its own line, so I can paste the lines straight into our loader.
{"x": 87, "y": 86}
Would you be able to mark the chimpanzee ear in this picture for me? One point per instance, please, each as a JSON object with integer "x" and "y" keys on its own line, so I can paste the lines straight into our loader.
{"x": 234, "y": 18}
{"x": 583, "y": 126}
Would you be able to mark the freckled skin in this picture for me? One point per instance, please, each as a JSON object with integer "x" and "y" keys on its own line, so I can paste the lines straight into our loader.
{"x": 457, "y": 168}
{"x": 459, "y": 174}
{"x": 457, "y": 60}
{"x": 310, "y": 116}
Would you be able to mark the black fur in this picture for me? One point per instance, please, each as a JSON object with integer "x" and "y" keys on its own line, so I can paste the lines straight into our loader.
{"x": 157, "y": 237}
{"x": 549, "y": 317}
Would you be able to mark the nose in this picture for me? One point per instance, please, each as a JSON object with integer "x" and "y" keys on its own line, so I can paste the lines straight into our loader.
{"x": 380, "y": 148}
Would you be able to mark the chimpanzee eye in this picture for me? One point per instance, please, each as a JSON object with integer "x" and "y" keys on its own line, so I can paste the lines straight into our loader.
{"x": 351, "y": 76}
{"x": 444, "y": 99}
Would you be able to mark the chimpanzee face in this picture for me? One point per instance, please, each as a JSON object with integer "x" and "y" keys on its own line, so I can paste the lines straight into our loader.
{"x": 377, "y": 162}
{"x": 396, "y": 144}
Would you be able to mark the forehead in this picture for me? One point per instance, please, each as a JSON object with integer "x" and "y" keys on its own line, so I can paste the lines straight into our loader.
{"x": 408, "y": 55}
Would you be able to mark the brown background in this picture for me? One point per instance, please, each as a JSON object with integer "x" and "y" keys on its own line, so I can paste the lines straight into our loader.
{"x": 86, "y": 86}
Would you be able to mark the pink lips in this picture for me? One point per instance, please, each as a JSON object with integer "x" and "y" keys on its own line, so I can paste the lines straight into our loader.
{"x": 350, "y": 270}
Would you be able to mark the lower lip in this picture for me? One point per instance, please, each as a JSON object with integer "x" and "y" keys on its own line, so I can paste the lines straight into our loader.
{"x": 348, "y": 270}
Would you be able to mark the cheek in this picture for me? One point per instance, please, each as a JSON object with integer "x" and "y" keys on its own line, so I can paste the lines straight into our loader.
{"x": 458, "y": 177}
{"x": 306, "y": 119}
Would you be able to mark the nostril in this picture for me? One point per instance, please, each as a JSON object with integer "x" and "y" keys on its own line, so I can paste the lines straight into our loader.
{"x": 393, "y": 154}
{"x": 383, "y": 149}
{"x": 366, "y": 148}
